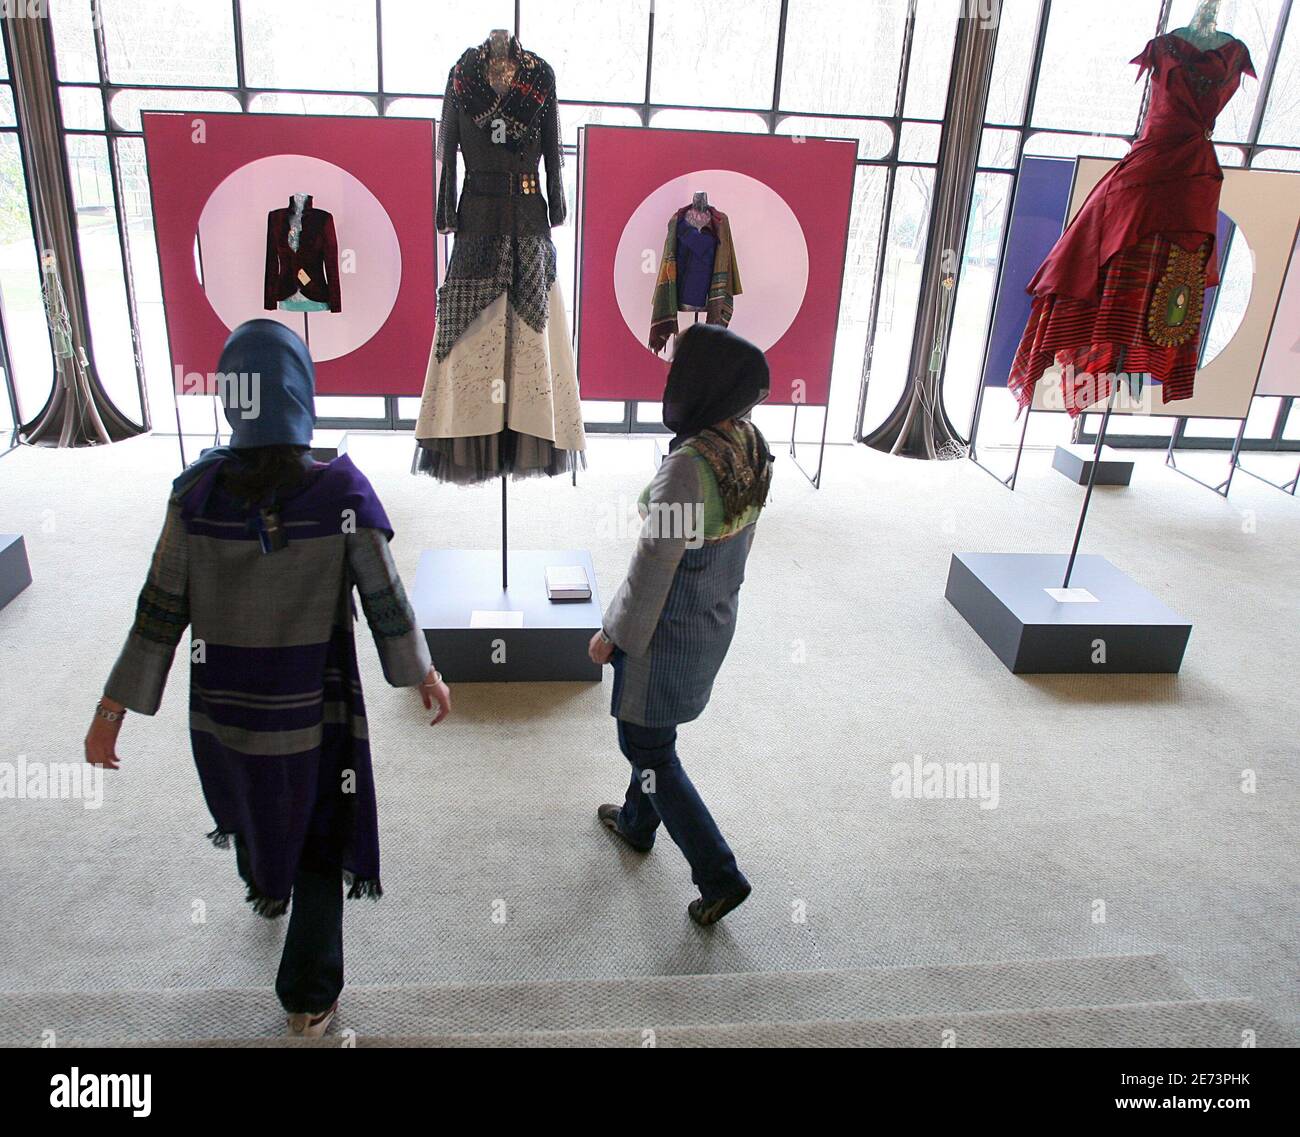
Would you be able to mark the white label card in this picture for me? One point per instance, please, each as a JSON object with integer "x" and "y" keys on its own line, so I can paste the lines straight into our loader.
{"x": 1071, "y": 595}
{"x": 491, "y": 618}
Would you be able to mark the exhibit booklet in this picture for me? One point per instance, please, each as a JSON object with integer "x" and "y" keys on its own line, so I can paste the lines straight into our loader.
{"x": 567, "y": 582}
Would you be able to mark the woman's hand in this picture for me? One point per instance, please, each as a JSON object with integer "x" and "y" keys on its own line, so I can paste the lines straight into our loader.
{"x": 434, "y": 690}
{"x": 101, "y": 739}
{"x": 601, "y": 648}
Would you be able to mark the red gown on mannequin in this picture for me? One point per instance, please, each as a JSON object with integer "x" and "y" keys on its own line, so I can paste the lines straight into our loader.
{"x": 1122, "y": 290}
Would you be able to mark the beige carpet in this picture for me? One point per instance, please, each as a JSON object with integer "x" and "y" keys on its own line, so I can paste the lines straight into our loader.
{"x": 1122, "y": 826}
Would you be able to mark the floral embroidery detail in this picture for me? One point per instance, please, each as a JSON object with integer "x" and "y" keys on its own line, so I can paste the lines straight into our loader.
{"x": 388, "y": 612}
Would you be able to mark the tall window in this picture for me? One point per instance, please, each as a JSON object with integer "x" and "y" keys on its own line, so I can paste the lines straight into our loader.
{"x": 1062, "y": 86}
{"x": 876, "y": 72}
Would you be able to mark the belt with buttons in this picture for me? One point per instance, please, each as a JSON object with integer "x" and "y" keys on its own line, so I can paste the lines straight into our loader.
{"x": 500, "y": 183}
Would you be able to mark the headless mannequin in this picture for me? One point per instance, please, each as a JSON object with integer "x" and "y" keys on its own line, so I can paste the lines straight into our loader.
{"x": 501, "y": 68}
{"x": 1202, "y": 32}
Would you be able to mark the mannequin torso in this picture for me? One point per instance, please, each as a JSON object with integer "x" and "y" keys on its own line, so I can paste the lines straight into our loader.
{"x": 501, "y": 68}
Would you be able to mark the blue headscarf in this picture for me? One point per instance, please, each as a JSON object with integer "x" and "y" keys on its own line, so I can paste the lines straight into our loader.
{"x": 267, "y": 385}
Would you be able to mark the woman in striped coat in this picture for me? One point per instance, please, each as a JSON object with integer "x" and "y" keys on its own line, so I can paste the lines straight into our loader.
{"x": 669, "y": 626}
{"x": 259, "y": 555}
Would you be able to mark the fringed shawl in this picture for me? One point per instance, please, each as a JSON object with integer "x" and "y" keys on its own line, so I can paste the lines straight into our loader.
{"x": 741, "y": 463}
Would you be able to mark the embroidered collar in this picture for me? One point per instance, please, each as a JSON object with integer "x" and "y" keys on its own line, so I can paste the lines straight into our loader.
{"x": 520, "y": 108}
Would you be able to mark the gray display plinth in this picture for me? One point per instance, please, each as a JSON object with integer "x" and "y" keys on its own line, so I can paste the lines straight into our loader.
{"x": 1075, "y": 462}
{"x": 329, "y": 453}
{"x": 1105, "y": 622}
{"x": 15, "y": 575}
{"x": 480, "y": 633}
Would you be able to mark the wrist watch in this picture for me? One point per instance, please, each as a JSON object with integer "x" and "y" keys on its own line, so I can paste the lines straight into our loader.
{"x": 604, "y": 638}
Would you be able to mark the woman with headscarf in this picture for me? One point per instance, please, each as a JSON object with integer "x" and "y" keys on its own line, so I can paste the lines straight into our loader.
{"x": 259, "y": 554}
{"x": 668, "y": 627}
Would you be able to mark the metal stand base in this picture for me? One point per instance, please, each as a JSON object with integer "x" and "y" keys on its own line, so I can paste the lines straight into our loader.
{"x": 1221, "y": 488}
{"x": 1285, "y": 487}
{"x": 1010, "y": 480}
{"x": 480, "y": 632}
{"x": 815, "y": 478}
{"x": 329, "y": 453}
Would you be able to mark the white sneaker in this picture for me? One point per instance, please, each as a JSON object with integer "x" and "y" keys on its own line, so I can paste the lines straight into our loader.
{"x": 312, "y": 1026}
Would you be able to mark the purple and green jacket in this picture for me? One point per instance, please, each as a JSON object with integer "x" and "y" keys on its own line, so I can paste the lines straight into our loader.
{"x": 277, "y": 722}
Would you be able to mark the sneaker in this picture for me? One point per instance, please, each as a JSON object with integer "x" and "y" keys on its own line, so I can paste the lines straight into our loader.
{"x": 706, "y": 912}
{"x": 609, "y": 815}
{"x": 312, "y": 1026}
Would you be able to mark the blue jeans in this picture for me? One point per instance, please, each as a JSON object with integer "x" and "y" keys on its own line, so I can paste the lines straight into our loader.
{"x": 661, "y": 791}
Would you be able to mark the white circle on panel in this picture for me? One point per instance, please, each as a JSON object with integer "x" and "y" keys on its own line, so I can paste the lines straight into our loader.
{"x": 771, "y": 253}
{"x": 231, "y": 246}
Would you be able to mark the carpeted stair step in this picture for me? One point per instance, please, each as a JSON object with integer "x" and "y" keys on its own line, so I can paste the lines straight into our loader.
{"x": 1191, "y": 1023}
{"x": 626, "y": 1004}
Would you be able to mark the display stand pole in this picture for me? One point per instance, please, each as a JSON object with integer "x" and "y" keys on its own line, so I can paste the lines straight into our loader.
{"x": 505, "y": 560}
{"x": 1092, "y": 479}
{"x": 180, "y": 436}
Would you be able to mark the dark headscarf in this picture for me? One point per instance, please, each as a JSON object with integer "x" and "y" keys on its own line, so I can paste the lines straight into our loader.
{"x": 277, "y": 363}
{"x": 717, "y": 375}
{"x": 267, "y": 387}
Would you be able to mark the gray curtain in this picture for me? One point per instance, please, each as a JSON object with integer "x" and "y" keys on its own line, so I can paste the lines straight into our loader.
{"x": 78, "y": 411}
{"x": 918, "y": 427}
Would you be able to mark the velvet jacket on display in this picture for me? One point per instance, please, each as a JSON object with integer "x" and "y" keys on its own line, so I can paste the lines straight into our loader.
{"x": 724, "y": 280}
{"x": 311, "y": 269}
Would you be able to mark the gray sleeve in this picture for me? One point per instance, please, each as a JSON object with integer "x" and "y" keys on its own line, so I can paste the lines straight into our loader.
{"x": 673, "y": 523}
{"x": 403, "y": 650}
{"x": 553, "y": 157}
{"x": 162, "y": 613}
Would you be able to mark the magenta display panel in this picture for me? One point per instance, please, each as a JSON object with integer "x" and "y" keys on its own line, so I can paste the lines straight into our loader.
{"x": 787, "y": 199}
{"x": 215, "y": 178}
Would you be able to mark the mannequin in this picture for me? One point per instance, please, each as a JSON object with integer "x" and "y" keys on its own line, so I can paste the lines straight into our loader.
{"x": 697, "y": 272}
{"x": 1202, "y": 32}
{"x": 500, "y": 392}
{"x": 1122, "y": 291}
{"x": 501, "y": 68}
